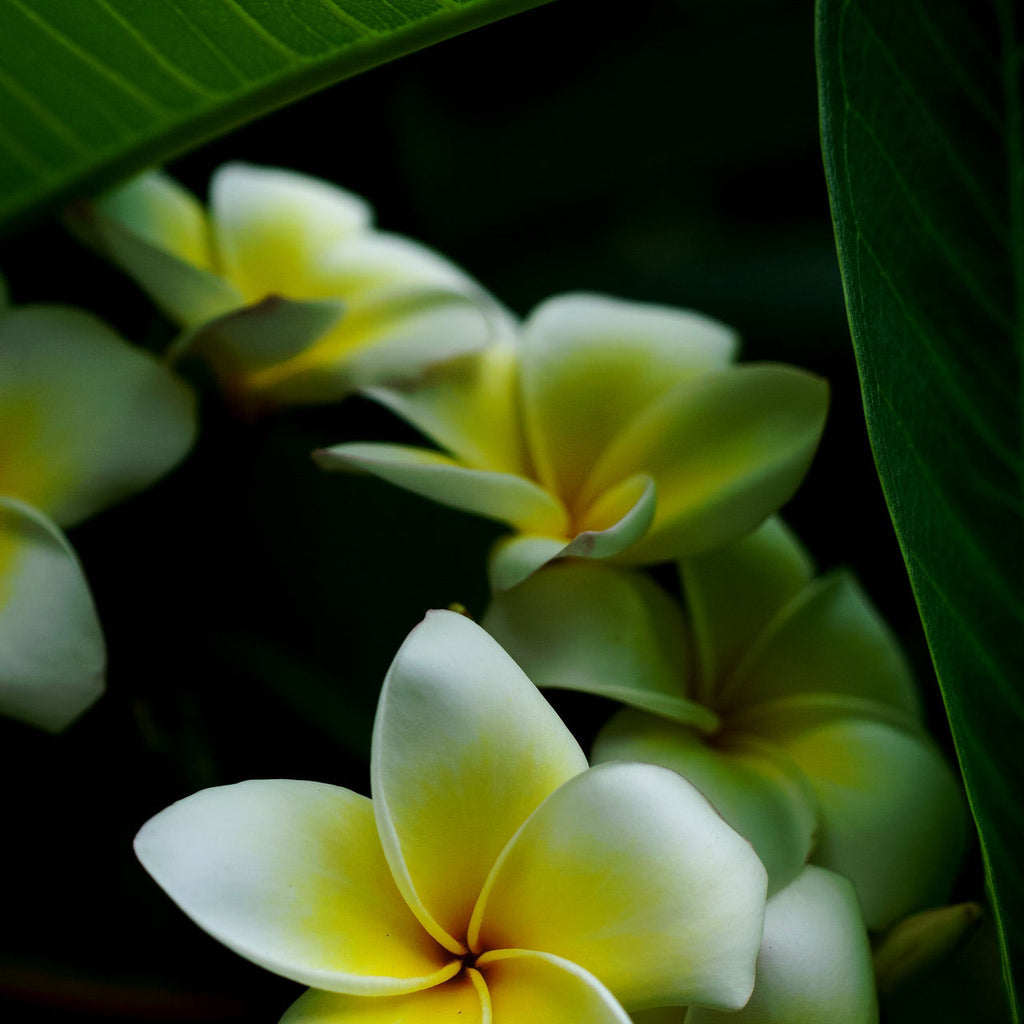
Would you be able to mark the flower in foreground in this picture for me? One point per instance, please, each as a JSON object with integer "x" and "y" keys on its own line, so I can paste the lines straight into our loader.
{"x": 785, "y": 700}
{"x": 493, "y": 877}
{"x": 606, "y": 429}
{"x": 86, "y": 421}
{"x": 284, "y": 286}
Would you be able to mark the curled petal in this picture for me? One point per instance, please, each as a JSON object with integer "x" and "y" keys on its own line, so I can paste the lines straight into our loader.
{"x": 583, "y": 625}
{"x": 759, "y": 791}
{"x": 502, "y": 496}
{"x": 725, "y": 449}
{"x": 815, "y": 962}
{"x": 513, "y": 559}
{"x": 464, "y": 749}
{"x": 628, "y": 872}
{"x": 827, "y": 640}
{"x": 590, "y": 364}
{"x": 87, "y": 418}
{"x": 543, "y": 989}
{"x": 52, "y": 657}
{"x": 734, "y": 591}
{"x": 291, "y": 875}
{"x": 891, "y": 811}
{"x": 456, "y": 1000}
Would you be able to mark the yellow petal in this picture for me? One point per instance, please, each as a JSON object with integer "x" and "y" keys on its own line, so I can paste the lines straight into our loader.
{"x": 87, "y": 419}
{"x": 464, "y": 749}
{"x": 502, "y": 496}
{"x": 725, "y": 449}
{"x": 52, "y": 657}
{"x": 734, "y": 591}
{"x": 292, "y": 876}
{"x": 457, "y": 1000}
{"x": 815, "y": 962}
{"x": 629, "y": 872}
{"x": 759, "y": 791}
{"x": 590, "y": 364}
{"x": 536, "y": 988}
{"x": 589, "y": 626}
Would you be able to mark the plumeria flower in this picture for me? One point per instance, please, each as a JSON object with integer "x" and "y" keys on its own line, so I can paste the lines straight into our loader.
{"x": 814, "y": 966}
{"x": 607, "y": 429}
{"x": 786, "y": 701}
{"x": 493, "y": 877}
{"x": 285, "y": 287}
{"x": 86, "y": 420}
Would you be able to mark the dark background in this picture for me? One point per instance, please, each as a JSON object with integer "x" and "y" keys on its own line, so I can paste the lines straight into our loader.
{"x": 252, "y": 603}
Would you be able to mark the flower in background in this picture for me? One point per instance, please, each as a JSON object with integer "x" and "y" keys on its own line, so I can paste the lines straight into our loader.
{"x": 493, "y": 876}
{"x": 285, "y": 287}
{"x": 786, "y": 701}
{"x": 606, "y": 429}
{"x": 86, "y": 420}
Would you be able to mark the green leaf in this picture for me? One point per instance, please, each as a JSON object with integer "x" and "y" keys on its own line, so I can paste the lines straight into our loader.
{"x": 94, "y": 90}
{"x": 922, "y": 125}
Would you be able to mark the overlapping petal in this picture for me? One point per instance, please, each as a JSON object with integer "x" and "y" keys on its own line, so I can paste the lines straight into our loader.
{"x": 759, "y": 791}
{"x": 891, "y": 811}
{"x": 464, "y": 749}
{"x": 590, "y": 363}
{"x": 87, "y": 418}
{"x": 52, "y": 656}
{"x": 591, "y": 626}
{"x": 456, "y": 1000}
{"x": 525, "y": 986}
{"x": 292, "y": 876}
{"x": 628, "y": 872}
{"x": 725, "y": 449}
{"x": 734, "y": 591}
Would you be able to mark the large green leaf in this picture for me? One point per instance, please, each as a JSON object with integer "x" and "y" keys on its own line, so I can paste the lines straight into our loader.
{"x": 92, "y": 90}
{"x": 921, "y": 118}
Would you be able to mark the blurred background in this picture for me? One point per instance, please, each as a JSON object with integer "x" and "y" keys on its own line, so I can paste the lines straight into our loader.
{"x": 253, "y": 603}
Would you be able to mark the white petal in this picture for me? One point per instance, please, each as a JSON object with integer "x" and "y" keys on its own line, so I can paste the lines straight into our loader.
{"x": 52, "y": 657}
{"x": 464, "y": 749}
{"x": 628, "y": 872}
{"x": 292, "y": 876}
{"x": 815, "y": 961}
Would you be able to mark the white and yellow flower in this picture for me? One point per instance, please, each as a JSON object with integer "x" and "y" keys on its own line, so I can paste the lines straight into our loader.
{"x": 86, "y": 420}
{"x": 786, "y": 701}
{"x": 285, "y": 287}
{"x": 492, "y": 878}
{"x": 607, "y": 429}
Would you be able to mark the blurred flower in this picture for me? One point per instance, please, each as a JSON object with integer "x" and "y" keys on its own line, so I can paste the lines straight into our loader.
{"x": 493, "y": 875}
{"x": 608, "y": 429}
{"x": 795, "y": 712}
{"x": 86, "y": 421}
{"x": 284, "y": 287}
{"x": 814, "y": 966}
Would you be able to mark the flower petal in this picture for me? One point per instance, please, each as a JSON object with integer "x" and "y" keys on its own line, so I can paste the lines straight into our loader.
{"x": 815, "y": 963}
{"x": 272, "y": 228}
{"x": 589, "y": 626}
{"x": 513, "y": 559}
{"x": 734, "y": 591}
{"x": 501, "y": 496}
{"x": 52, "y": 657}
{"x": 455, "y": 1000}
{"x": 544, "y": 989}
{"x": 726, "y": 449}
{"x": 628, "y": 872}
{"x": 758, "y": 791}
{"x": 828, "y": 639}
{"x": 157, "y": 233}
{"x": 891, "y": 811}
{"x": 292, "y": 876}
{"x": 87, "y": 418}
{"x": 464, "y": 749}
{"x": 590, "y": 364}
{"x": 468, "y": 406}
